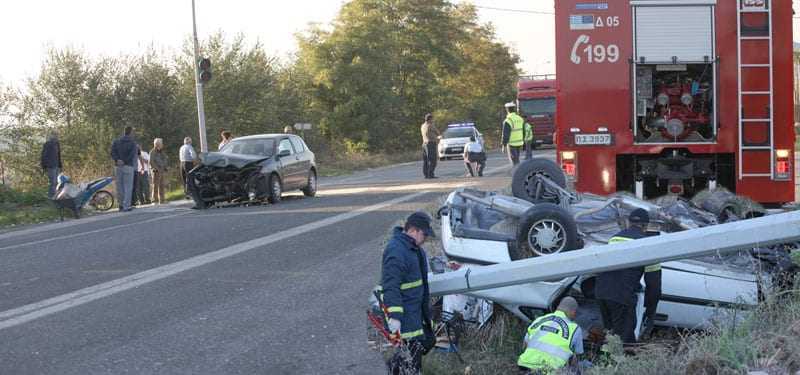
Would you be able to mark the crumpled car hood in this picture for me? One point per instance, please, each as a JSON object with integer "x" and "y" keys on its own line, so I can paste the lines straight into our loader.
{"x": 220, "y": 160}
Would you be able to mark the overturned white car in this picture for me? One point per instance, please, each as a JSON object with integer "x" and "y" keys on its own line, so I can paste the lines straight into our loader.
{"x": 481, "y": 228}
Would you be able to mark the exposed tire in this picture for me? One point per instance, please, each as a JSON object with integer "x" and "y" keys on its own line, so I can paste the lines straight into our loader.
{"x": 545, "y": 229}
{"x": 311, "y": 187}
{"x": 722, "y": 203}
{"x": 524, "y": 185}
{"x": 275, "y": 189}
{"x": 102, "y": 201}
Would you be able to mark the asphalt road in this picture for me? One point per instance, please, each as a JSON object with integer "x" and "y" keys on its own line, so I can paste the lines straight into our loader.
{"x": 273, "y": 289}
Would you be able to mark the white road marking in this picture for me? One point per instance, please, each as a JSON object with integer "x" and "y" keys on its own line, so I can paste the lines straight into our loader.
{"x": 27, "y": 313}
{"x": 73, "y": 235}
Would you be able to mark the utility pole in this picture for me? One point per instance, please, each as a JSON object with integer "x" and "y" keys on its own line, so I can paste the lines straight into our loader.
{"x": 201, "y": 114}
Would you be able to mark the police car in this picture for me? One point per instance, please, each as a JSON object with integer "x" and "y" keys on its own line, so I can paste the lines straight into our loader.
{"x": 453, "y": 140}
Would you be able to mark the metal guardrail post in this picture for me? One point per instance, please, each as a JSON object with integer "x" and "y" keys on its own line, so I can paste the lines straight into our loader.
{"x": 722, "y": 238}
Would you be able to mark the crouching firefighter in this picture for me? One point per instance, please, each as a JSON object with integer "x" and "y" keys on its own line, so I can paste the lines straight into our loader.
{"x": 553, "y": 341}
{"x": 404, "y": 285}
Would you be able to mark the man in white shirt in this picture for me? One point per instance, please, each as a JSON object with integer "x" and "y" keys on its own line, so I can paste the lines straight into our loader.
{"x": 187, "y": 157}
{"x": 474, "y": 157}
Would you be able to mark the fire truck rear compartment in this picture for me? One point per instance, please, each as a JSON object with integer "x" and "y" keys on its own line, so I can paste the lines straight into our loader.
{"x": 674, "y": 103}
{"x": 663, "y": 173}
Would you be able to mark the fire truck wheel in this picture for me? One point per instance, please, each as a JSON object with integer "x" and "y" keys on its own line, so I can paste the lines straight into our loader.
{"x": 524, "y": 185}
{"x": 545, "y": 229}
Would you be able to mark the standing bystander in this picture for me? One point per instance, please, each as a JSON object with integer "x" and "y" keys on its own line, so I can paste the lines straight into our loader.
{"x": 51, "y": 162}
{"x": 226, "y": 138}
{"x": 124, "y": 154}
{"x": 159, "y": 164}
{"x": 187, "y": 157}
{"x": 430, "y": 139}
{"x": 143, "y": 171}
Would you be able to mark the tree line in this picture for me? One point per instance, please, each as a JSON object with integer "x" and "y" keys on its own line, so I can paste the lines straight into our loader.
{"x": 365, "y": 81}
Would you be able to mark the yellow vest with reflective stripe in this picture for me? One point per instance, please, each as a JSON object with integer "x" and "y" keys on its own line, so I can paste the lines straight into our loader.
{"x": 517, "y": 124}
{"x": 528, "y": 132}
{"x": 548, "y": 342}
{"x": 650, "y": 268}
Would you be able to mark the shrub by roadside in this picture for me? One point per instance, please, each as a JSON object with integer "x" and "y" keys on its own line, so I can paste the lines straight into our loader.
{"x": 25, "y": 207}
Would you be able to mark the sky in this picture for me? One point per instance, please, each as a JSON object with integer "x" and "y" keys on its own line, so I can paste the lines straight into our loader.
{"x": 116, "y": 27}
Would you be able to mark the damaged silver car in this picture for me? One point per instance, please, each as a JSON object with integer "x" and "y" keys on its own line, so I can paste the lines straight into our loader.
{"x": 253, "y": 169}
{"x": 542, "y": 217}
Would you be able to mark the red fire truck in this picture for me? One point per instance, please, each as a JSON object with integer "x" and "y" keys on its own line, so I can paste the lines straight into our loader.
{"x": 536, "y": 99}
{"x": 675, "y": 96}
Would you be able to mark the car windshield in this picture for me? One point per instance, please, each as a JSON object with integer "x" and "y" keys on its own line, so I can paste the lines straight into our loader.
{"x": 458, "y": 133}
{"x": 257, "y": 147}
{"x": 538, "y": 106}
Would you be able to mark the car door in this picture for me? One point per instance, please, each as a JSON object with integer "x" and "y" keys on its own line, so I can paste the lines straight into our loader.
{"x": 288, "y": 164}
{"x": 303, "y": 160}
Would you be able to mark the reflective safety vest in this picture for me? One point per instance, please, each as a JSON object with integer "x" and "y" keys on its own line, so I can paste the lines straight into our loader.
{"x": 548, "y": 342}
{"x": 650, "y": 268}
{"x": 517, "y": 124}
{"x": 528, "y": 133}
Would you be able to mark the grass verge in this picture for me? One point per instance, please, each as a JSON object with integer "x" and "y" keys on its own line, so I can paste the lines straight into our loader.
{"x": 175, "y": 195}
{"x": 337, "y": 165}
{"x": 19, "y": 207}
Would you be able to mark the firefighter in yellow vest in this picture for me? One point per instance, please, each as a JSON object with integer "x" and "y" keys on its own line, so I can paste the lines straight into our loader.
{"x": 513, "y": 133}
{"x": 528, "y": 141}
{"x": 553, "y": 341}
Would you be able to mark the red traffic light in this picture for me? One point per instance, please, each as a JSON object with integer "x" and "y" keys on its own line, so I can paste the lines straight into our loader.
{"x": 205, "y": 64}
{"x": 204, "y": 75}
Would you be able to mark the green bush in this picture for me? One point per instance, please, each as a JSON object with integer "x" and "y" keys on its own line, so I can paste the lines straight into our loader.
{"x": 27, "y": 198}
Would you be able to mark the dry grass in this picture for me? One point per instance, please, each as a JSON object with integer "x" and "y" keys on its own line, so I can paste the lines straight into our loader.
{"x": 341, "y": 164}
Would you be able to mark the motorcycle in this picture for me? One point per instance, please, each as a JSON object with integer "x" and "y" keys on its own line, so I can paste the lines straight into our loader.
{"x": 75, "y": 196}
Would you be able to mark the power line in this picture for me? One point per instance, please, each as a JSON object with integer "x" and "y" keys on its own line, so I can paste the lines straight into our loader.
{"x": 514, "y": 10}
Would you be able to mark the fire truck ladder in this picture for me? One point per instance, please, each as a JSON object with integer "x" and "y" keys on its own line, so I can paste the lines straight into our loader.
{"x": 751, "y": 120}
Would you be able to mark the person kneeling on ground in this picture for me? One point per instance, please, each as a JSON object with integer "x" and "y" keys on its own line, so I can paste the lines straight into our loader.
{"x": 474, "y": 157}
{"x": 553, "y": 341}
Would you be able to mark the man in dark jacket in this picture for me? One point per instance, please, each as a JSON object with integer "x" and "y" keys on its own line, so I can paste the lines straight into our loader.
{"x": 125, "y": 154}
{"x": 51, "y": 162}
{"x": 616, "y": 290}
{"x": 404, "y": 284}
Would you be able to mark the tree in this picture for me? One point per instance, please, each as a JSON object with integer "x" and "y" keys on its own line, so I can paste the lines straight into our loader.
{"x": 386, "y": 63}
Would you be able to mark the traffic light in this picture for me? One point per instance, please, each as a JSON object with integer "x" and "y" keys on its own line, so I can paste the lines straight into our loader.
{"x": 205, "y": 70}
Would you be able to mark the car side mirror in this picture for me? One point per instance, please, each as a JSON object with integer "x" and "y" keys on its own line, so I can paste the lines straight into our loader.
{"x": 283, "y": 153}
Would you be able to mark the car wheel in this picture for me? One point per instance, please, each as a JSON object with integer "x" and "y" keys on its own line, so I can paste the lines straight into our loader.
{"x": 275, "y": 189}
{"x": 311, "y": 188}
{"x": 525, "y": 185}
{"x": 545, "y": 229}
